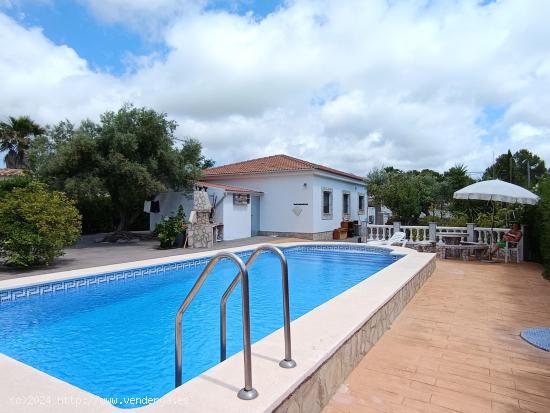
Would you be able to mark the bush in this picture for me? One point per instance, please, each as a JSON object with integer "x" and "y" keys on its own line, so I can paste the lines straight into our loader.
{"x": 36, "y": 224}
{"x": 543, "y": 223}
{"x": 168, "y": 229}
{"x": 6, "y": 185}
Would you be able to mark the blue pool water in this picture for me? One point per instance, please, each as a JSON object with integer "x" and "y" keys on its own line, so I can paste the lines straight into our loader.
{"x": 116, "y": 340}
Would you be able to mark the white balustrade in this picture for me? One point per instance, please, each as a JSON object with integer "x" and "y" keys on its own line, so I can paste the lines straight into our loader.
{"x": 484, "y": 235}
{"x": 379, "y": 232}
{"x": 416, "y": 233}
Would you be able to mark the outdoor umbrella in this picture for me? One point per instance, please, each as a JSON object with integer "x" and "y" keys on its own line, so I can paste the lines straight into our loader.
{"x": 497, "y": 190}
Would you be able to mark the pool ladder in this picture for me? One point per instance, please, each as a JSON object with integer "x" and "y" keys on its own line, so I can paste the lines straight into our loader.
{"x": 248, "y": 392}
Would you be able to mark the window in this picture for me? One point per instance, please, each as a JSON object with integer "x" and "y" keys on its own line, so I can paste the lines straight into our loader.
{"x": 345, "y": 202}
{"x": 361, "y": 206}
{"x": 327, "y": 203}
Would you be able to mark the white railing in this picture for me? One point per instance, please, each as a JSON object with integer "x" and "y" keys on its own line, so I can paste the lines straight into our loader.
{"x": 379, "y": 232}
{"x": 432, "y": 232}
{"x": 416, "y": 233}
{"x": 483, "y": 235}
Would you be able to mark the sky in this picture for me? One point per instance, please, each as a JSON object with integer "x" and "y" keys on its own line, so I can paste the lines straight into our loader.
{"x": 351, "y": 84}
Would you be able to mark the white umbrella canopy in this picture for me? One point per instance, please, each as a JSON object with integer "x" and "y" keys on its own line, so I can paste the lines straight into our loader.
{"x": 497, "y": 190}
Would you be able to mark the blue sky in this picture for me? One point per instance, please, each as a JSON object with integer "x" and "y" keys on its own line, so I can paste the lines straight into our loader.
{"x": 409, "y": 83}
{"x": 106, "y": 46}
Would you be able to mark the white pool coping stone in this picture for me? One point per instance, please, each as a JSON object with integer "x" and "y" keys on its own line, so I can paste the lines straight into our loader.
{"x": 316, "y": 336}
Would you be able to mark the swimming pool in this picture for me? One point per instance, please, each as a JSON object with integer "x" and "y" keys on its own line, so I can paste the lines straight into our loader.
{"x": 116, "y": 339}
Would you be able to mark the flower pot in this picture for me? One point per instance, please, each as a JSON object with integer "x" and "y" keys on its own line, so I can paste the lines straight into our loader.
{"x": 180, "y": 239}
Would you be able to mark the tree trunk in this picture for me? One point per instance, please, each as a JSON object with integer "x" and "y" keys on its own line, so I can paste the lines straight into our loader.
{"x": 122, "y": 222}
{"x": 126, "y": 220}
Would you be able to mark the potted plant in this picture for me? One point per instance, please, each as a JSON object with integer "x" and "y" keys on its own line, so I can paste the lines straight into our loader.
{"x": 171, "y": 231}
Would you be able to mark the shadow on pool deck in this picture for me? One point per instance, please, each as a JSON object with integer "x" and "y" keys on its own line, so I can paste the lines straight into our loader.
{"x": 87, "y": 253}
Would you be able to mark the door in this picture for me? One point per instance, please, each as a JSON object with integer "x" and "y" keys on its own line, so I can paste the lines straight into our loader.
{"x": 255, "y": 215}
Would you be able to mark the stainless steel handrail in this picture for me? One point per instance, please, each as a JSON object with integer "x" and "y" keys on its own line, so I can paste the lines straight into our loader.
{"x": 287, "y": 362}
{"x": 247, "y": 392}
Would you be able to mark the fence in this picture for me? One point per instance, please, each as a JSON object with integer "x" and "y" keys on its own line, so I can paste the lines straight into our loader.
{"x": 433, "y": 232}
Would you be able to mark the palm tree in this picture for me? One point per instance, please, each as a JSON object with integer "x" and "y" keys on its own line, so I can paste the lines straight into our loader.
{"x": 15, "y": 137}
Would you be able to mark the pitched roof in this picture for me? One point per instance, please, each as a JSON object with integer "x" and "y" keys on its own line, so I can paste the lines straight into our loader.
{"x": 275, "y": 163}
{"x": 6, "y": 172}
{"x": 228, "y": 188}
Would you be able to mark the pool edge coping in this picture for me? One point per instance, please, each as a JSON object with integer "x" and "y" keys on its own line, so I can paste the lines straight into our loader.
{"x": 265, "y": 351}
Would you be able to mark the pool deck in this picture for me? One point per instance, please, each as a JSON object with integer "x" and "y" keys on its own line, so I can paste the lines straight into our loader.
{"x": 456, "y": 347}
{"x": 87, "y": 253}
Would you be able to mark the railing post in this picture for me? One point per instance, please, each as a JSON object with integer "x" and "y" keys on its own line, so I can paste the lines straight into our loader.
{"x": 432, "y": 230}
{"x": 396, "y": 227}
{"x": 364, "y": 231}
{"x": 470, "y": 228}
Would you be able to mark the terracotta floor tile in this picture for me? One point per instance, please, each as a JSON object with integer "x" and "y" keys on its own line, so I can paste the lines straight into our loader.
{"x": 456, "y": 347}
{"x": 533, "y": 407}
{"x": 418, "y": 406}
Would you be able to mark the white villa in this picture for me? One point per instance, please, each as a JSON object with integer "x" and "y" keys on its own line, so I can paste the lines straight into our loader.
{"x": 276, "y": 195}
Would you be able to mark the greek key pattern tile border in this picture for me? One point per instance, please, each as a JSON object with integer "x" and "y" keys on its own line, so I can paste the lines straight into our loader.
{"x": 14, "y": 294}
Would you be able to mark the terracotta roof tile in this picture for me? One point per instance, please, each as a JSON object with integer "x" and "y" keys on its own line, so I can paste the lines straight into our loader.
{"x": 275, "y": 163}
{"x": 6, "y": 172}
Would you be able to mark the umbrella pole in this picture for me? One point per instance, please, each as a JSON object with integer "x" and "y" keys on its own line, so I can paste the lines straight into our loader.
{"x": 492, "y": 231}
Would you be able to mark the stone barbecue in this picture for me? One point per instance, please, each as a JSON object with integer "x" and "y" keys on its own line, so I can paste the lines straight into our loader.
{"x": 201, "y": 230}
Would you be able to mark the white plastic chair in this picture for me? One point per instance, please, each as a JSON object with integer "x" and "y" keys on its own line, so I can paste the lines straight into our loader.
{"x": 398, "y": 237}
{"x": 510, "y": 248}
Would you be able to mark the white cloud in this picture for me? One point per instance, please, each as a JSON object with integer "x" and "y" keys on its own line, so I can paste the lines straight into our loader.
{"x": 351, "y": 84}
{"x": 145, "y": 16}
{"x": 50, "y": 82}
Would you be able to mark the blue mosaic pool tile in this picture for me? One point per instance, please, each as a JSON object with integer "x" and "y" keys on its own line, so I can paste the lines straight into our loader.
{"x": 85, "y": 281}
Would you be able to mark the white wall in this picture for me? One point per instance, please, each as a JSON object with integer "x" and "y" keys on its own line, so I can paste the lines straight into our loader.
{"x": 236, "y": 219}
{"x": 169, "y": 203}
{"x": 338, "y": 186}
{"x": 280, "y": 193}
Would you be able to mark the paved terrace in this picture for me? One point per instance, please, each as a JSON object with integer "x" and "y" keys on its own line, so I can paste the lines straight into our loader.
{"x": 456, "y": 347}
{"x": 87, "y": 253}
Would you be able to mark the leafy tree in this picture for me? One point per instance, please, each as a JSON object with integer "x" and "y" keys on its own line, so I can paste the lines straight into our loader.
{"x": 409, "y": 194}
{"x": 377, "y": 179}
{"x": 44, "y": 145}
{"x": 36, "y": 224}
{"x": 16, "y": 136}
{"x": 402, "y": 192}
{"x": 513, "y": 168}
{"x": 537, "y": 168}
{"x": 128, "y": 157}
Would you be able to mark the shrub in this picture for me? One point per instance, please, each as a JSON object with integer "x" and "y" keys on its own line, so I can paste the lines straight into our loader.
{"x": 36, "y": 224}
{"x": 168, "y": 229}
{"x": 6, "y": 185}
{"x": 543, "y": 223}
